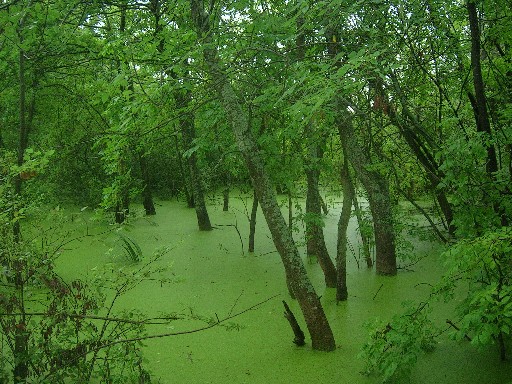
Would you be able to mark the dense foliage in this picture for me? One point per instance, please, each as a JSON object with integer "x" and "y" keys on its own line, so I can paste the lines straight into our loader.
{"x": 104, "y": 102}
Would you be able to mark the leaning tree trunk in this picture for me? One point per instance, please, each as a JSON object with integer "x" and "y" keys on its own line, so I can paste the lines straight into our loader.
{"x": 188, "y": 135}
{"x": 321, "y": 334}
{"x": 315, "y": 241}
{"x": 375, "y": 184}
{"x": 379, "y": 199}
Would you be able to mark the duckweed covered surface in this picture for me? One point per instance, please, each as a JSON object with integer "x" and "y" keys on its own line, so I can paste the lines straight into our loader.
{"x": 212, "y": 276}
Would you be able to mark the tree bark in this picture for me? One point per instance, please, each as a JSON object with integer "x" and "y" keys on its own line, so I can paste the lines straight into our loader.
{"x": 147, "y": 196}
{"x": 297, "y": 331}
{"x": 483, "y": 122}
{"x": 379, "y": 199}
{"x": 365, "y": 240}
{"x": 315, "y": 241}
{"x": 225, "y": 198}
{"x": 341, "y": 252}
{"x": 318, "y": 326}
{"x": 375, "y": 184}
{"x": 188, "y": 136}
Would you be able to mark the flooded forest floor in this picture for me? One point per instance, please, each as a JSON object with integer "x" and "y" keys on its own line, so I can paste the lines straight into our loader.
{"x": 212, "y": 275}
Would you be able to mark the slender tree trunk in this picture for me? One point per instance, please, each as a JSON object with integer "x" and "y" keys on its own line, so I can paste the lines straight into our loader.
{"x": 252, "y": 222}
{"x": 483, "y": 122}
{"x": 315, "y": 241}
{"x": 187, "y": 189}
{"x": 375, "y": 184}
{"x": 427, "y": 160}
{"x": 365, "y": 240}
{"x": 147, "y": 196}
{"x": 225, "y": 198}
{"x": 318, "y": 326}
{"x": 341, "y": 254}
{"x": 378, "y": 197}
{"x": 188, "y": 134}
{"x": 123, "y": 197}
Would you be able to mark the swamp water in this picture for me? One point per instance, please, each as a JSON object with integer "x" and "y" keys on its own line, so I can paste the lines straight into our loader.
{"x": 214, "y": 277}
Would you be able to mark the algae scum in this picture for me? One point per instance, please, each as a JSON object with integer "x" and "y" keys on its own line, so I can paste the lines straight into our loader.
{"x": 210, "y": 275}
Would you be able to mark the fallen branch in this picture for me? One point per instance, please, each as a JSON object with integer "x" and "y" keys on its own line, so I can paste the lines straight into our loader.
{"x": 378, "y": 290}
{"x": 97, "y": 348}
{"x": 299, "y": 335}
{"x": 160, "y": 335}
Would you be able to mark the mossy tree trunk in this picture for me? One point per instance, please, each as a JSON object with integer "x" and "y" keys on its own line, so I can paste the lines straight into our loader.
{"x": 188, "y": 133}
{"x": 377, "y": 188}
{"x": 321, "y": 334}
{"x": 376, "y": 184}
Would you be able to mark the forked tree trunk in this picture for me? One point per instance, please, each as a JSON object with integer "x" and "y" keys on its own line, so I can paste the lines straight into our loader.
{"x": 321, "y": 334}
{"x": 378, "y": 197}
{"x": 375, "y": 184}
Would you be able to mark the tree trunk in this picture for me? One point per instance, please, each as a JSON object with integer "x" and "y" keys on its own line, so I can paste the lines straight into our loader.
{"x": 225, "y": 196}
{"x": 315, "y": 241}
{"x": 188, "y": 135}
{"x": 375, "y": 184}
{"x": 186, "y": 187}
{"x": 252, "y": 222}
{"x": 483, "y": 123}
{"x": 379, "y": 199}
{"x": 297, "y": 331}
{"x": 318, "y": 326}
{"x": 147, "y": 196}
{"x": 122, "y": 207}
{"x": 426, "y": 159}
{"x": 341, "y": 254}
{"x": 365, "y": 240}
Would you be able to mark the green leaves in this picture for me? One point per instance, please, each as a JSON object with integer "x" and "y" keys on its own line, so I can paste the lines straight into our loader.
{"x": 486, "y": 263}
{"x": 393, "y": 348}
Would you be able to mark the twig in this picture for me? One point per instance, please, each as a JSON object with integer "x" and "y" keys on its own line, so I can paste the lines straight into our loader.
{"x": 235, "y": 303}
{"x": 149, "y": 321}
{"x": 449, "y": 322}
{"x": 160, "y": 335}
{"x": 378, "y": 290}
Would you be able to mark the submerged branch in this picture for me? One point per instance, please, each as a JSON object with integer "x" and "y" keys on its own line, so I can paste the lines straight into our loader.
{"x": 149, "y": 321}
{"x": 160, "y": 335}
